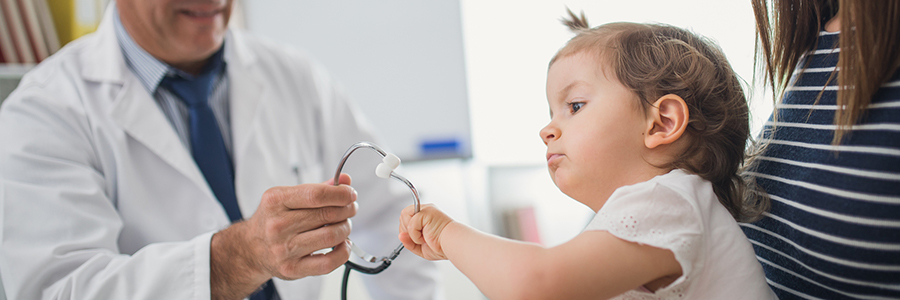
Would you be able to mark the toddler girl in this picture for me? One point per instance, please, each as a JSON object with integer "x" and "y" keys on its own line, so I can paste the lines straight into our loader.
{"x": 648, "y": 128}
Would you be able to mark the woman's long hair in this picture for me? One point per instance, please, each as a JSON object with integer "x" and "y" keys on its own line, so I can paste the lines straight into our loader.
{"x": 869, "y": 47}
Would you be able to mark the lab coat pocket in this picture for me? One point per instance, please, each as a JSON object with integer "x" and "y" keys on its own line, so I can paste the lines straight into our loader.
{"x": 310, "y": 173}
{"x": 303, "y": 165}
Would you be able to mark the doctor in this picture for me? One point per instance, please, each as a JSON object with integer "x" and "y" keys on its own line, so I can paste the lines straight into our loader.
{"x": 162, "y": 158}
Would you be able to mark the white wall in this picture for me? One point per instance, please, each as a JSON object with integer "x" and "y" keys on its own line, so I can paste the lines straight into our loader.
{"x": 509, "y": 43}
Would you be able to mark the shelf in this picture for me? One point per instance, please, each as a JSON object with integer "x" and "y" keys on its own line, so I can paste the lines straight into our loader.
{"x": 10, "y": 74}
{"x": 14, "y": 70}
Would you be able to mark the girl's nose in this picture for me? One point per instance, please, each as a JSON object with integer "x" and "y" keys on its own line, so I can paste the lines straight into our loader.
{"x": 549, "y": 133}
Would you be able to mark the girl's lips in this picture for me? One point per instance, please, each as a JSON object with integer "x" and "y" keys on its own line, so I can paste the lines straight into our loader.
{"x": 553, "y": 156}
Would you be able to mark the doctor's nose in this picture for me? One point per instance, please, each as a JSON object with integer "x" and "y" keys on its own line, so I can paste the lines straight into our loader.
{"x": 549, "y": 133}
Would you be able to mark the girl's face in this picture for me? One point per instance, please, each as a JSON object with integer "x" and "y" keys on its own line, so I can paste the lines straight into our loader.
{"x": 595, "y": 136}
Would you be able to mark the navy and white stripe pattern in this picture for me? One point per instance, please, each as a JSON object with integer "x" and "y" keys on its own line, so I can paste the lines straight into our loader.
{"x": 150, "y": 71}
{"x": 833, "y": 231}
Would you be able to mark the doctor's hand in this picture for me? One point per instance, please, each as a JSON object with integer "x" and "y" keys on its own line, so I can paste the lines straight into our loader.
{"x": 421, "y": 232}
{"x": 278, "y": 240}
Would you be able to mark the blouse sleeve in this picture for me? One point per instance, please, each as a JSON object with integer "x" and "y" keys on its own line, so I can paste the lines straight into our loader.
{"x": 655, "y": 215}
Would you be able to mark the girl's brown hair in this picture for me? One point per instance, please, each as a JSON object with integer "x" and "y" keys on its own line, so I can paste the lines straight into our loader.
{"x": 869, "y": 42}
{"x": 653, "y": 60}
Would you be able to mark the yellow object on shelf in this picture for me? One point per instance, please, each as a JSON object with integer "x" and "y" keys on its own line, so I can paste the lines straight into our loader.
{"x": 75, "y": 18}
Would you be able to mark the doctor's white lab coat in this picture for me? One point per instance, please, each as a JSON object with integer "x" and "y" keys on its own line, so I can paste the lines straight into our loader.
{"x": 99, "y": 199}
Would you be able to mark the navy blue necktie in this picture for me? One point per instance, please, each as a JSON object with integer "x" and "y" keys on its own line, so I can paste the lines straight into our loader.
{"x": 207, "y": 144}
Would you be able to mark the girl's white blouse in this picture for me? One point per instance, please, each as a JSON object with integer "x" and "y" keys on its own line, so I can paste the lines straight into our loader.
{"x": 681, "y": 213}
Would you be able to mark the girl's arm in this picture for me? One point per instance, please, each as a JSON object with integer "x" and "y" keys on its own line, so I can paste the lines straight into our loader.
{"x": 593, "y": 265}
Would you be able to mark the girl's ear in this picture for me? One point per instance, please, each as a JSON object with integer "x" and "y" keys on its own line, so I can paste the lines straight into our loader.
{"x": 666, "y": 122}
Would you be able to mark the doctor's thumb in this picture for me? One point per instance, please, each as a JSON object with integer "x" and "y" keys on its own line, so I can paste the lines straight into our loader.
{"x": 344, "y": 179}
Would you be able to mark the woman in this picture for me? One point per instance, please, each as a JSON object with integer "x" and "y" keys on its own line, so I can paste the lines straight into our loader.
{"x": 830, "y": 163}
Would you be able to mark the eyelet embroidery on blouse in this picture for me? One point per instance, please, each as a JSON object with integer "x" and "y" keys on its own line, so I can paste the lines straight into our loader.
{"x": 629, "y": 227}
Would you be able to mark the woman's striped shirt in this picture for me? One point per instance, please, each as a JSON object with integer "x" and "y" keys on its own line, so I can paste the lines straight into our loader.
{"x": 833, "y": 231}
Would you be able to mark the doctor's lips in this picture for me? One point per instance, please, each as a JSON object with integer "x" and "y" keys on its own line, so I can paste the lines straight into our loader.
{"x": 202, "y": 12}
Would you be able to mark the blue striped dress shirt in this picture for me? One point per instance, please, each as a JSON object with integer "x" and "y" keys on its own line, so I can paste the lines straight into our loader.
{"x": 833, "y": 231}
{"x": 150, "y": 71}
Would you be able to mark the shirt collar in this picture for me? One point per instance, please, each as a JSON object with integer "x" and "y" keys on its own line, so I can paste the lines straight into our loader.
{"x": 149, "y": 70}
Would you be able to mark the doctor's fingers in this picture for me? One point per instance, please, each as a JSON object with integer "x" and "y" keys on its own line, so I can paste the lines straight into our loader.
{"x": 315, "y": 264}
{"x": 343, "y": 179}
{"x": 305, "y": 243}
{"x": 309, "y": 196}
{"x": 302, "y": 220}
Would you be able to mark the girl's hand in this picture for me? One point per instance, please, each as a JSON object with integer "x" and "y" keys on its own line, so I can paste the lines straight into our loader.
{"x": 421, "y": 232}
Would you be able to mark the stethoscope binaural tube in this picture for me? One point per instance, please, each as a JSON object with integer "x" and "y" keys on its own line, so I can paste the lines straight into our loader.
{"x": 384, "y": 170}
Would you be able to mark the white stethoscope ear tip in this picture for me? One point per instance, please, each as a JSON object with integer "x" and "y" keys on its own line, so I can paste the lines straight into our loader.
{"x": 383, "y": 171}
{"x": 391, "y": 161}
{"x": 388, "y": 164}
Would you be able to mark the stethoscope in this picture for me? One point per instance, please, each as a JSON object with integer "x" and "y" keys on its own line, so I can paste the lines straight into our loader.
{"x": 385, "y": 169}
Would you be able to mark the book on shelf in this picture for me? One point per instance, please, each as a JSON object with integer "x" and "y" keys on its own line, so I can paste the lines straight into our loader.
{"x": 7, "y": 49}
{"x": 33, "y": 28}
{"x": 46, "y": 20}
{"x": 29, "y": 29}
{"x": 521, "y": 224}
{"x": 75, "y": 18}
{"x": 16, "y": 24}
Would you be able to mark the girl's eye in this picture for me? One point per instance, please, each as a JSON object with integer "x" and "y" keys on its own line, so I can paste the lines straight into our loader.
{"x": 575, "y": 106}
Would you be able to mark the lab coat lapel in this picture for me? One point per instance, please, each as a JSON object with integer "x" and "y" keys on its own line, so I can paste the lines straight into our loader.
{"x": 245, "y": 95}
{"x": 139, "y": 116}
{"x": 246, "y": 91}
{"x": 133, "y": 108}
